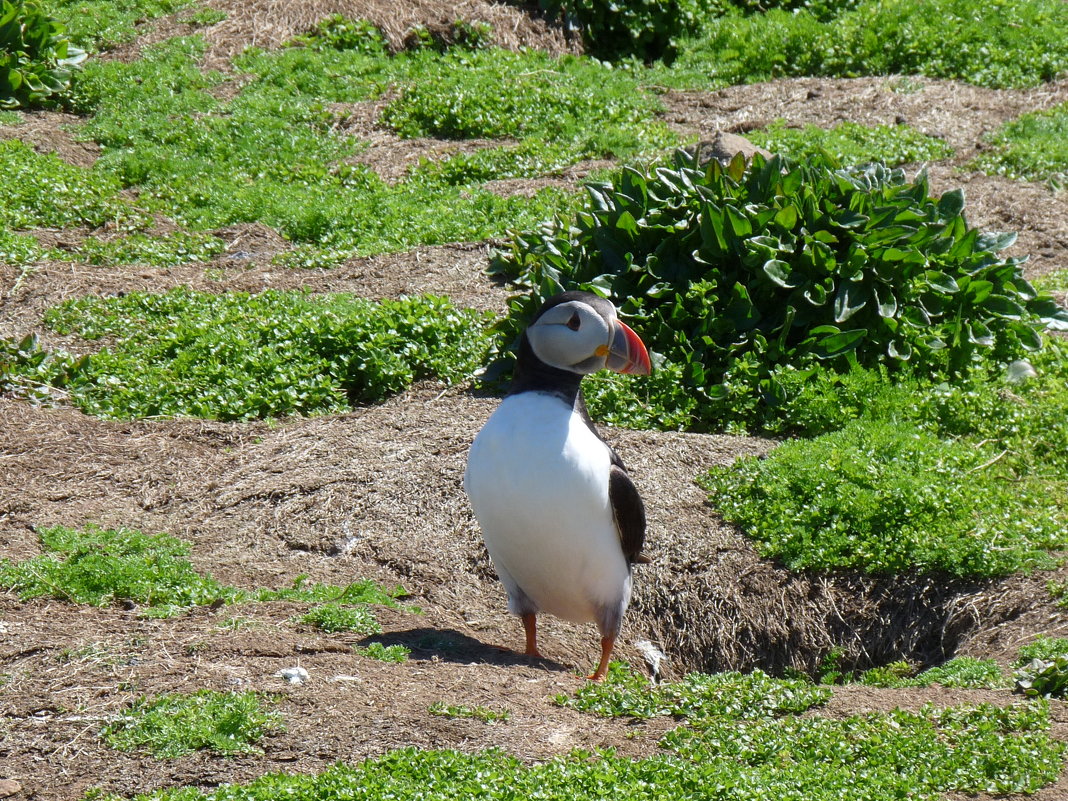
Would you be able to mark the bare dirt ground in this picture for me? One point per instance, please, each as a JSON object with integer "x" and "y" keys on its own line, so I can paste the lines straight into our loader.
{"x": 376, "y": 493}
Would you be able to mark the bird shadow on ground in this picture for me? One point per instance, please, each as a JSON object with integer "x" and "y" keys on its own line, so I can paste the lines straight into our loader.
{"x": 452, "y": 646}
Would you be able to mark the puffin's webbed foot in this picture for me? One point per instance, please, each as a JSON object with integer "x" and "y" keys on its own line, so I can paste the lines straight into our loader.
{"x": 607, "y": 644}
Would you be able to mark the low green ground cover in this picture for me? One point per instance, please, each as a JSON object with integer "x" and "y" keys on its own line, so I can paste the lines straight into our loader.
{"x": 175, "y": 724}
{"x": 238, "y": 356}
{"x": 98, "y": 567}
{"x": 731, "y": 744}
{"x": 482, "y": 713}
{"x": 1033, "y": 147}
{"x": 852, "y": 143}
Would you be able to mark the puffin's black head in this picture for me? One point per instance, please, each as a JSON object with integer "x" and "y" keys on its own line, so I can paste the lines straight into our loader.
{"x": 579, "y": 332}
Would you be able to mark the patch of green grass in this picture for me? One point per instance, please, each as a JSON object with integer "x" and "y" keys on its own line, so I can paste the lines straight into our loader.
{"x": 99, "y": 566}
{"x": 920, "y": 755}
{"x": 175, "y": 724}
{"x": 335, "y": 617}
{"x": 882, "y": 497}
{"x": 485, "y": 714}
{"x": 11, "y": 118}
{"x": 1033, "y": 147}
{"x": 999, "y": 45}
{"x": 362, "y": 591}
{"x": 238, "y": 357}
{"x": 384, "y": 653}
{"x": 699, "y": 696}
{"x": 852, "y": 143}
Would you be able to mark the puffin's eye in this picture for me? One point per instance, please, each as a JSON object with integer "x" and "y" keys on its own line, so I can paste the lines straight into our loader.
{"x": 574, "y": 322}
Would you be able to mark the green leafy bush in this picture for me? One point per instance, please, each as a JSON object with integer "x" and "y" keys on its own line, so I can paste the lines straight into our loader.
{"x": 102, "y": 24}
{"x": 175, "y": 724}
{"x": 851, "y": 143}
{"x": 485, "y": 714}
{"x": 99, "y": 566}
{"x": 730, "y": 274}
{"x": 1047, "y": 648}
{"x": 1044, "y": 677}
{"x": 998, "y": 45}
{"x": 647, "y": 29}
{"x": 37, "y": 61}
{"x": 885, "y": 497}
{"x": 239, "y": 356}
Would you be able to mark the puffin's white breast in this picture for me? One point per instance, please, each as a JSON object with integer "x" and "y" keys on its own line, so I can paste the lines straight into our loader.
{"x": 537, "y": 478}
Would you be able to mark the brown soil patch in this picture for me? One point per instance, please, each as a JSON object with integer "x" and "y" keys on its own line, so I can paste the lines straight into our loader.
{"x": 376, "y": 493}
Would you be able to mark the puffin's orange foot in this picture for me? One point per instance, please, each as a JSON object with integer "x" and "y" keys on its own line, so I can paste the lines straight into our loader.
{"x": 535, "y": 653}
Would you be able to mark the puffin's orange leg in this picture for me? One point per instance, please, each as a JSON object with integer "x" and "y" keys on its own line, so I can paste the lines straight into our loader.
{"x": 607, "y": 644}
{"x": 530, "y": 626}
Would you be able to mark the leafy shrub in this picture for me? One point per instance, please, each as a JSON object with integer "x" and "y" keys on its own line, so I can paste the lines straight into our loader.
{"x": 998, "y": 45}
{"x": 852, "y": 143}
{"x": 647, "y": 29}
{"x": 99, "y": 566}
{"x": 334, "y": 617}
{"x": 36, "y": 60}
{"x": 238, "y": 357}
{"x": 175, "y": 724}
{"x": 29, "y": 371}
{"x": 1033, "y": 147}
{"x": 888, "y": 498}
{"x": 730, "y": 274}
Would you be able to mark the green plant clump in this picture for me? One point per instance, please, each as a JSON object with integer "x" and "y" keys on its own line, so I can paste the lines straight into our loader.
{"x": 883, "y": 497}
{"x": 37, "y": 61}
{"x": 961, "y": 671}
{"x": 99, "y": 566}
{"x": 699, "y": 696}
{"x": 384, "y": 653}
{"x": 852, "y": 143}
{"x": 731, "y": 274}
{"x": 335, "y": 617}
{"x": 239, "y": 356}
{"x": 29, "y": 371}
{"x": 175, "y": 724}
{"x": 485, "y": 714}
{"x": 998, "y": 45}
{"x": 1033, "y": 147}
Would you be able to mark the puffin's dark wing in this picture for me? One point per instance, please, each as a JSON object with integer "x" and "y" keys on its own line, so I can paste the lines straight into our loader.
{"x": 629, "y": 513}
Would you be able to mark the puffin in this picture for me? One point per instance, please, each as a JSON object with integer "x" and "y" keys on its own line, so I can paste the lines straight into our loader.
{"x": 560, "y": 516}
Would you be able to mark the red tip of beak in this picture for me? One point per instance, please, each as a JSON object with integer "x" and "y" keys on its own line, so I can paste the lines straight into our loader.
{"x": 627, "y": 353}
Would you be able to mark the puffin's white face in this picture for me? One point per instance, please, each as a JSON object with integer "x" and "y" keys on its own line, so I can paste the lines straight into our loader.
{"x": 574, "y": 336}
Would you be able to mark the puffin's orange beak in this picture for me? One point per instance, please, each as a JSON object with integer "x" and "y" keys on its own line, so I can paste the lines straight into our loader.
{"x": 627, "y": 353}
